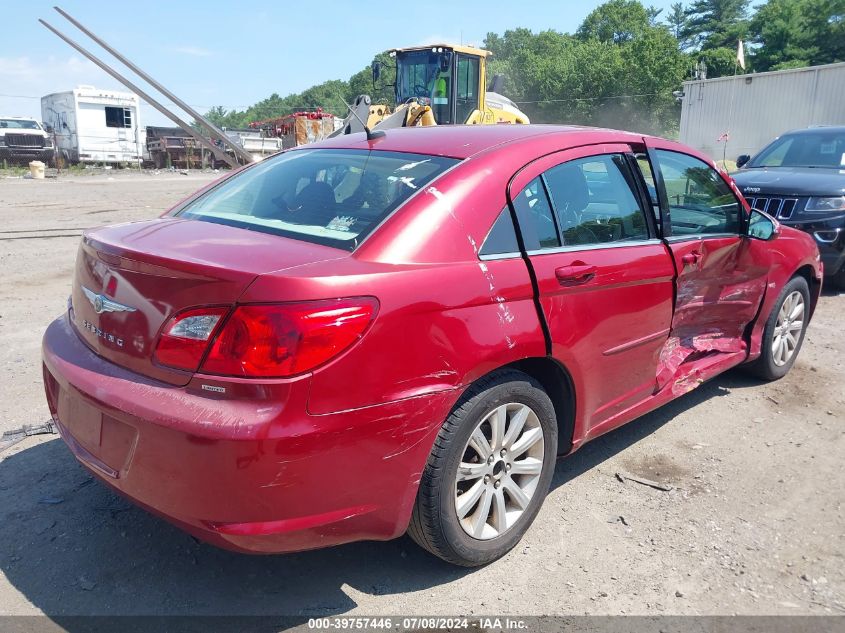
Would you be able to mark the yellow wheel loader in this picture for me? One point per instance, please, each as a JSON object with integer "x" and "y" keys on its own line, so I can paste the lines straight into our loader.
{"x": 435, "y": 85}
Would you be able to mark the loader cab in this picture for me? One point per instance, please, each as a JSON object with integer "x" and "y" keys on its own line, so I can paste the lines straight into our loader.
{"x": 448, "y": 78}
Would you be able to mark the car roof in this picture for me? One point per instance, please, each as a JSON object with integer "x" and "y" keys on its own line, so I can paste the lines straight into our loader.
{"x": 463, "y": 141}
{"x": 836, "y": 129}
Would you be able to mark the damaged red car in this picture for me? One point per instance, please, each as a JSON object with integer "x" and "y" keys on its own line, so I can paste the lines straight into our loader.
{"x": 365, "y": 337}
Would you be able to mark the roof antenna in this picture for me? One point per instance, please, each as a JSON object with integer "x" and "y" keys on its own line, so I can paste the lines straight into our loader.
{"x": 371, "y": 134}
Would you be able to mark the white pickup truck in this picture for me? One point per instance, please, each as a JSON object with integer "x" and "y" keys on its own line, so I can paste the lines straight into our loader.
{"x": 23, "y": 140}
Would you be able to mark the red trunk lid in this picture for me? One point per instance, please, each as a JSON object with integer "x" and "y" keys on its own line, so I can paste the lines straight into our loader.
{"x": 131, "y": 278}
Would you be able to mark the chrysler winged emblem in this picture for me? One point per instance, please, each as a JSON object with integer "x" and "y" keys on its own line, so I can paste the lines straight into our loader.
{"x": 102, "y": 303}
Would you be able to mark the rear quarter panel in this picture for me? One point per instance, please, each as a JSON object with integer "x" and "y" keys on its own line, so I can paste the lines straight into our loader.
{"x": 438, "y": 327}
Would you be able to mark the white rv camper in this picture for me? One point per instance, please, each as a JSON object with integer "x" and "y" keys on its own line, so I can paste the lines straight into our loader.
{"x": 94, "y": 126}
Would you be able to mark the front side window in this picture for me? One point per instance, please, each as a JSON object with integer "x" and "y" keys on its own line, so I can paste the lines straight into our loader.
{"x": 700, "y": 201}
{"x": 595, "y": 202}
{"x": 327, "y": 196}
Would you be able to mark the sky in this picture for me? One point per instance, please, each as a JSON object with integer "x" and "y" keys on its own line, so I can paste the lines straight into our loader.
{"x": 221, "y": 53}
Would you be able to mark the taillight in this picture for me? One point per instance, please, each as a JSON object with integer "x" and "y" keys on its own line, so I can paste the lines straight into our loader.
{"x": 184, "y": 339}
{"x": 274, "y": 341}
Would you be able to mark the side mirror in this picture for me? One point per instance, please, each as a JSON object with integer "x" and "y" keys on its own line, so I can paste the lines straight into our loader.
{"x": 49, "y": 129}
{"x": 376, "y": 67}
{"x": 742, "y": 160}
{"x": 762, "y": 226}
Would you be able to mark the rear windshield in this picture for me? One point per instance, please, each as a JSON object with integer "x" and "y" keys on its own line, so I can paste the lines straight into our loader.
{"x": 329, "y": 196}
{"x": 819, "y": 148}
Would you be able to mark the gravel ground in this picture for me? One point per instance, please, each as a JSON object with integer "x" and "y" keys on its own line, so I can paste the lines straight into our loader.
{"x": 753, "y": 523}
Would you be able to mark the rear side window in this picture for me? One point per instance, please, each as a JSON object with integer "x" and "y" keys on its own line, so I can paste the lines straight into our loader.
{"x": 595, "y": 202}
{"x": 501, "y": 240}
{"x": 327, "y": 196}
{"x": 536, "y": 218}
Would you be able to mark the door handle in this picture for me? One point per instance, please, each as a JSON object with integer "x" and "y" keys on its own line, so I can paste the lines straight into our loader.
{"x": 691, "y": 258}
{"x": 575, "y": 275}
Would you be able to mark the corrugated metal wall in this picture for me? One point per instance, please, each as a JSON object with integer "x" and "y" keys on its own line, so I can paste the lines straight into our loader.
{"x": 756, "y": 108}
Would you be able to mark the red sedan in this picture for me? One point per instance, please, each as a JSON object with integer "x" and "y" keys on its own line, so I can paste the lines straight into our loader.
{"x": 359, "y": 338}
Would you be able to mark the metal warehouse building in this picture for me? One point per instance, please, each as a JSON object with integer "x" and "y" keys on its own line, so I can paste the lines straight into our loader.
{"x": 756, "y": 108}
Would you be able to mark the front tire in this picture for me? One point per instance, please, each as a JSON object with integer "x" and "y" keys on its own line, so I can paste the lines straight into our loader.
{"x": 784, "y": 331}
{"x": 489, "y": 471}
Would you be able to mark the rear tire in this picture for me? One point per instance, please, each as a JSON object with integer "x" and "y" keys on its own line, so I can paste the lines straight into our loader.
{"x": 784, "y": 331}
{"x": 501, "y": 494}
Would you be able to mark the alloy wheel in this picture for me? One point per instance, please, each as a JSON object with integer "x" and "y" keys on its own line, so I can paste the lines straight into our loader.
{"x": 499, "y": 471}
{"x": 788, "y": 328}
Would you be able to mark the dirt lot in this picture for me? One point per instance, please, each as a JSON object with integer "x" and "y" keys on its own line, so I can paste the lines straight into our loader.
{"x": 754, "y": 523}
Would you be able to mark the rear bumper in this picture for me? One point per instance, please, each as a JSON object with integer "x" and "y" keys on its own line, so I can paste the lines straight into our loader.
{"x": 252, "y": 472}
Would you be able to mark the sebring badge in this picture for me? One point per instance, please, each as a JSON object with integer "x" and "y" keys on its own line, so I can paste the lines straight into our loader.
{"x": 102, "y": 303}
{"x": 111, "y": 338}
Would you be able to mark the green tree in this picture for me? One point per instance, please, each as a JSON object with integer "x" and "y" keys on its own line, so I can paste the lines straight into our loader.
{"x": 329, "y": 95}
{"x": 654, "y": 68}
{"x": 383, "y": 90}
{"x": 794, "y": 33}
{"x": 720, "y": 62}
{"x": 332, "y": 96}
{"x": 509, "y": 44}
{"x": 716, "y": 23}
{"x": 618, "y": 71}
{"x": 216, "y": 115}
{"x": 676, "y": 21}
{"x": 823, "y": 25}
{"x": 776, "y": 30}
{"x": 615, "y": 21}
{"x": 653, "y": 15}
